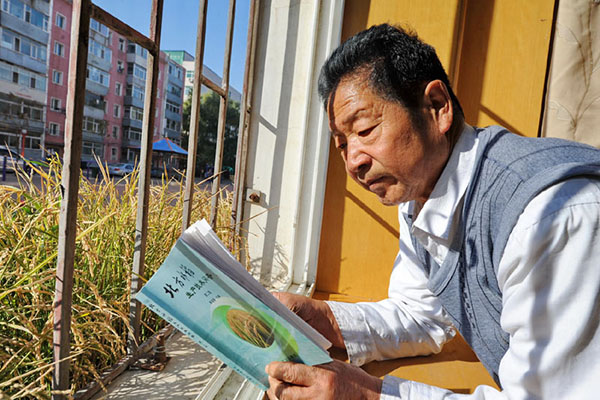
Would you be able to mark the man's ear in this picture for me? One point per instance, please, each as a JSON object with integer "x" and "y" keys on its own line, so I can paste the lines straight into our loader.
{"x": 439, "y": 104}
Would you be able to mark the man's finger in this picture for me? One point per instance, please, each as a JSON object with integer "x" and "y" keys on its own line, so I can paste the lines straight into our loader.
{"x": 284, "y": 391}
{"x": 297, "y": 374}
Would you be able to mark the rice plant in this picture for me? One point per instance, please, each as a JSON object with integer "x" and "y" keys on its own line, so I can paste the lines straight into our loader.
{"x": 104, "y": 252}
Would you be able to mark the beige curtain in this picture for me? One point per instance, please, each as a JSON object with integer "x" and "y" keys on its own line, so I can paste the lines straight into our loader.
{"x": 573, "y": 95}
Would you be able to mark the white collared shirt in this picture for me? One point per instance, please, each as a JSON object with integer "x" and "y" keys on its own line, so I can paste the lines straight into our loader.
{"x": 549, "y": 276}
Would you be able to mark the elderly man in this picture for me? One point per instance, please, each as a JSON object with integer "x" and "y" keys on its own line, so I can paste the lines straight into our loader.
{"x": 499, "y": 238}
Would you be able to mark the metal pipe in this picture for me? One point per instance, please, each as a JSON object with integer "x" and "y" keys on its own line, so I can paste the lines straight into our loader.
{"x": 67, "y": 226}
{"x": 216, "y": 186}
{"x": 141, "y": 224}
{"x": 245, "y": 112}
{"x": 188, "y": 195}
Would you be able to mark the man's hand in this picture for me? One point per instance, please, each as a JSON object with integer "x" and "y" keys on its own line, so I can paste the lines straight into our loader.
{"x": 335, "y": 380}
{"x": 316, "y": 313}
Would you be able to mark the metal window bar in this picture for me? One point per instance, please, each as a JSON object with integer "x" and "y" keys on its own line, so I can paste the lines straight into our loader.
{"x": 83, "y": 11}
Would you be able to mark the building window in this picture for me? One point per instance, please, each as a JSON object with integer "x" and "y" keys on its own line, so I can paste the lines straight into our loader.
{"x": 14, "y": 74}
{"x": 98, "y": 27}
{"x": 18, "y": 9}
{"x": 115, "y": 132}
{"x": 59, "y": 49}
{"x": 134, "y": 113}
{"x": 57, "y": 77}
{"x": 135, "y": 91}
{"x": 174, "y": 108}
{"x": 113, "y": 154}
{"x": 118, "y": 88}
{"x": 15, "y": 42}
{"x": 121, "y": 44}
{"x": 136, "y": 70}
{"x": 60, "y": 21}
{"x": 54, "y": 129}
{"x": 99, "y": 50}
{"x": 117, "y": 111}
{"x": 55, "y": 104}
{"x": 120, "y": 67}
{"x": 95, "y": 126}
{"x": 97, "y": 75}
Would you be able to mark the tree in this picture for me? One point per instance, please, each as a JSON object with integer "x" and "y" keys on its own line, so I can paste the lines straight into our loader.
{"x": 207, "y": 133}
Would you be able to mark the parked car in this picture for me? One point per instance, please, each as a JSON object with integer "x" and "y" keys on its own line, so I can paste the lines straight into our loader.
{"x": 13, "y": 160}
{"x": 121, "y": 169}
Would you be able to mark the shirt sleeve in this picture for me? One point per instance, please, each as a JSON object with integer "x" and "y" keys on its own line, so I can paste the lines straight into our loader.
{"x": 550, "y": 279}
{"x": 410, "y": 322}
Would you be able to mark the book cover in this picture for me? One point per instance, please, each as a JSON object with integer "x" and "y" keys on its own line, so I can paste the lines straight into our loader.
{"x": 223, "y": 309}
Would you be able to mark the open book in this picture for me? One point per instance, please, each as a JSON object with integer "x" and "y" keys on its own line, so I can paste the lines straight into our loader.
{"x": 203, "y": 291}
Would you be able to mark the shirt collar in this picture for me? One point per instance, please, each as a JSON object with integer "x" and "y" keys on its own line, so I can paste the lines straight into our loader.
{"x": 436, "y": 217}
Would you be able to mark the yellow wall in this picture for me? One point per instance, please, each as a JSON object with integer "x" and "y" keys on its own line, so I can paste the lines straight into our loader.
{"x": 495, "y": 53}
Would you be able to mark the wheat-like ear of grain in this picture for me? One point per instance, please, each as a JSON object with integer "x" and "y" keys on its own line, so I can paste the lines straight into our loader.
{"x": 107, "y": 207}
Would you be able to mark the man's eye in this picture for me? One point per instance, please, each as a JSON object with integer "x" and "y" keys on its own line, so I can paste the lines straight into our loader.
{"x": 341, "y": 146}
{"x": 365, "y": 132}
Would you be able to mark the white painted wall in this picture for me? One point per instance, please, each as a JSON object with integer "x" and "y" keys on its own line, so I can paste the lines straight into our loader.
{"x": 288, "y": 140}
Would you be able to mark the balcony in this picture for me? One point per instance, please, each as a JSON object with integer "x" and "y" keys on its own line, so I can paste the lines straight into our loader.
{"x": 24, "y": 28}
{"x": 172, "y": 116}
{"x": 99, "y": 62}
{"x": 173, "y": 97}
{"x": 96, "y": 87}
{"x": 93, "y": 137}
{"x": 21, "y": 59}
{"x": 93, "y": 112}
{"x": 133, "y": 101}
{"x": 134, "y": 123}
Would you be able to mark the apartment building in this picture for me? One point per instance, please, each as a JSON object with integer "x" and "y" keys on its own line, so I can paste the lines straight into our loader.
{"x": 187, "y": 61}
{"x": 34, "y": 69}
{"x": 25, "y": 31}
{"x": 115, "y": 93}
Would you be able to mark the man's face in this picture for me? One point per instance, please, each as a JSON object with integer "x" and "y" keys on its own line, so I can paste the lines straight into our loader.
{"x": 382, "y": 149}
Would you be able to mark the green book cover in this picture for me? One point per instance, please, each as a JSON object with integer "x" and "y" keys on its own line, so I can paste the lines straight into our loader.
{"x": 205, "y": 293}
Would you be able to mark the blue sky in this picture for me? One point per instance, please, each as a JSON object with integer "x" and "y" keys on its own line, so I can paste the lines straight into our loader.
{"x": 180, "y": 20}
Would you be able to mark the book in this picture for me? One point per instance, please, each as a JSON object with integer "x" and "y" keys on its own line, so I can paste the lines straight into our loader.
{"x": 203, "y": 291}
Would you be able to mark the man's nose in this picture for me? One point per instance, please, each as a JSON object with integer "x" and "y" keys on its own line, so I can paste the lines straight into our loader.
{"x": 357, "y": 160}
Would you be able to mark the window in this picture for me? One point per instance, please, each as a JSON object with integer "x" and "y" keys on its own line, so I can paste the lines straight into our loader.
{"x": 134, "y": 134}
{"x": 173, "y": 125}
{"x": 174, "y": 108}
{"x": 189, "y": 74}
{"x": 95, "y": 126}
{"x": 23, "y": 77}
{"x": 176, "y": 90}
{"x": 137, "y": 70}
{"x": 113, "y": 153}
{"x": 21, "y": 110}
{"x": 98, "y": 27}
{"x": 57, "y": 77}
{"x": 118, "y": 88}
{"x": 115, "y": 131}
{"x": 55, "y": 104}
{"x": 60, "y": 21}
{"x": 95, "y": 100}
{"x": 117, "y": 111}
{"x": 137, "y": 49}
{"x": 18, "y": 9}
{"x": 134, "y": 113}
{"x": 15, "y": 42}
{"x": 135, "y": 91}
{"x": 54, "y": 129}
{"x": 92, "y": 149}
{"x": 120, "y": 67}
{"x": 59, "y": 49}
{"x": 97, "y": 75}
{"x": 121, "y": 44}
{"x": 99, "y": 50}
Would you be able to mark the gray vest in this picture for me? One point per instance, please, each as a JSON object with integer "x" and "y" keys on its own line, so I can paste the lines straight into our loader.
{"x": 511, "y": 171}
